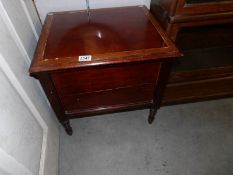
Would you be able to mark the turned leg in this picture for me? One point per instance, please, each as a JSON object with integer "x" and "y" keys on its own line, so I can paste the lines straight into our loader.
{"x": 152, "y": 115}
{"x": 68, "y": 128}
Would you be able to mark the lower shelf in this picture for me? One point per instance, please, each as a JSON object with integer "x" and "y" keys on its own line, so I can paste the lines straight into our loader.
{"x": 205, "y": 58}
{"x": 198, "y": 85}
{"x": 107, "y": 99}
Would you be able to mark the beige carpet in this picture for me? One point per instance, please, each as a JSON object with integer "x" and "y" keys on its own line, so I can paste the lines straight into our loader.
{"x": 190, "y": 139}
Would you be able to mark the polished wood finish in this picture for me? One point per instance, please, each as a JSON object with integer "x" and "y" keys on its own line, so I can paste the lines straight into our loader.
{"x": 147, "y": 45}
{"x": 101, "y": 34}
{"x": 105, "y": 87}
{"x": 202, "y": 30}
{"x": 87, "y": 80}
{"x": 131, "y": 61}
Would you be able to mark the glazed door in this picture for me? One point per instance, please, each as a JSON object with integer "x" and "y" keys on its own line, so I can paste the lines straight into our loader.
{"x": 203, "y": 6}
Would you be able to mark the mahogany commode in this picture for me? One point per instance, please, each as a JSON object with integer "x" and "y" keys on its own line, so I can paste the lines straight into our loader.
{"x": 128, "y": 64}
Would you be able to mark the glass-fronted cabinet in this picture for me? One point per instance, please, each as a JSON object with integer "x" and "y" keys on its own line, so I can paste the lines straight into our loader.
{"x": 202, "y": 30}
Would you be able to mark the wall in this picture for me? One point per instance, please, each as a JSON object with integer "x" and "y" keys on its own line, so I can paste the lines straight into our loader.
{"x": 45, "y": 6}
{"x": 29, "y": 134}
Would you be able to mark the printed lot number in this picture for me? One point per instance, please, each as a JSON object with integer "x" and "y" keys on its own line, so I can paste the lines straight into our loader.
{"x": 84, "y": 58}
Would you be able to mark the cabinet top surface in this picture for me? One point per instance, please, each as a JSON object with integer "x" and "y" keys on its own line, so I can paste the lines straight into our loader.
{"x": 108, "y": 31}
{"x": 107, "y": 34}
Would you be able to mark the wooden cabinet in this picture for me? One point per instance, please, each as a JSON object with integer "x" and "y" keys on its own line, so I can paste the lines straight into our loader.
{"x": 118, "y": 59}
{"x": 203, "y": 31}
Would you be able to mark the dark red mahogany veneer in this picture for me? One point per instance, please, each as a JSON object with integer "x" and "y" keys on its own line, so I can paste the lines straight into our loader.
{"x": 129, "y": 66}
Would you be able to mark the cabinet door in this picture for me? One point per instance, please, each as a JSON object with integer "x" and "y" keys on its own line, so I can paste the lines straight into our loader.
{"x": 98, "y": 88}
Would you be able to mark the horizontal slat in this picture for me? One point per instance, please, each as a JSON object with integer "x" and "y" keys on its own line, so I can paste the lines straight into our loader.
{"x": 198, "y": 90}
{"x": 108, "y": 99}
{"x": 201, "y": 74}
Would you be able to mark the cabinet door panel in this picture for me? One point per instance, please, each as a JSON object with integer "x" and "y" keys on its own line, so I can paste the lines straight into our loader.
{"x": 103, "y": 78}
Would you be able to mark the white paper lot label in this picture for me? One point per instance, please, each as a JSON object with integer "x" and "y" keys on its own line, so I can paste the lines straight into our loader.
{"x": 84, "y": 58}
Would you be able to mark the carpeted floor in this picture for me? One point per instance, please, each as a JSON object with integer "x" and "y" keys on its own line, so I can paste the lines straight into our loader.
{"x": 189, "y": 139}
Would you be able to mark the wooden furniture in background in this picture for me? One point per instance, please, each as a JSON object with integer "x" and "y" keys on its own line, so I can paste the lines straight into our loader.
{"x": 203, "y": 31}
{"x": 129, "y": 66}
